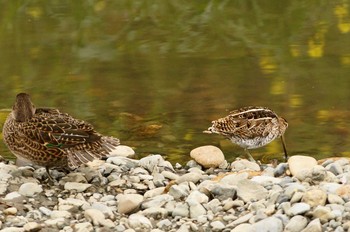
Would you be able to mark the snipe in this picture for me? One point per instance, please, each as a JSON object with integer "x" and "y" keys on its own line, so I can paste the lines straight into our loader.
{"x": 49, "y": 138}
{"x": 251, "y": 127}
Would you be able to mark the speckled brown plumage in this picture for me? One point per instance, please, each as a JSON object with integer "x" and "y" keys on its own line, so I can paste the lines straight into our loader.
{"x": 251, "y": 127}
{"x": 49, "y": 138}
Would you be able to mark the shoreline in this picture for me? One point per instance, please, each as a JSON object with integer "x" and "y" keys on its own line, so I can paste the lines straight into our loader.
{"x": 150, "y": 194}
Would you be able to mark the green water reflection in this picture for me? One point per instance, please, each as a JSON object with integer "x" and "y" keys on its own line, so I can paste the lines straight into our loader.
{"x": 155, "y": 73}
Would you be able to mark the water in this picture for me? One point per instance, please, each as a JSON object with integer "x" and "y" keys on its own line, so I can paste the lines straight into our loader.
{"x": 156, "y": 73}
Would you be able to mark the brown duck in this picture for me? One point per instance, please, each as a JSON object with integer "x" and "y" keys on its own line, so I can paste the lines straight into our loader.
{"x": 49, "y": 138}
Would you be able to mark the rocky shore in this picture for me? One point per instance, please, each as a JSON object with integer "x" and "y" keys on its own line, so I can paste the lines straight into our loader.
{"x": 150, "y": 194}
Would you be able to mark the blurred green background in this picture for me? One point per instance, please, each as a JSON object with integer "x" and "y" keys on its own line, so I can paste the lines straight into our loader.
{"x": 156, "y": 73}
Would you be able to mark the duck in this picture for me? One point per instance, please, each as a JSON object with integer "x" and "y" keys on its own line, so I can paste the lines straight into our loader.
{"x": 52, "y": 139}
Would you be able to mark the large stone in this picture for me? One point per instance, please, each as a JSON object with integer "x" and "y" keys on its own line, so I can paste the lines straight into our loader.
{"x": 128, "y": 203}
{"x": 298, "y": 164}
{"x": 249, "y": 191}
{"x": 139, "y": 222}
{"x": 244, "y": 164}
{"x": 208, "y": 156}
{"x": 315, "y": 197}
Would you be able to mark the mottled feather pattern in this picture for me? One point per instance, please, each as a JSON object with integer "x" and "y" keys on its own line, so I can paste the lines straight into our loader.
{"x": 250, "y": 127}
{"x": 53, "y": 139}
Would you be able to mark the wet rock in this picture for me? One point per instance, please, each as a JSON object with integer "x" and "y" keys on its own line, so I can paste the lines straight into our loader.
{"x": 208, "y": 156}
{"x": 30, "y": 189}
{"x": 128, "y": 203}
{"x": 315, "y": 197}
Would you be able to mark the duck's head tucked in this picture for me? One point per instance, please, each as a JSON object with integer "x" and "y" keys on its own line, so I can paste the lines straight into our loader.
{"x": 23, "y": 109}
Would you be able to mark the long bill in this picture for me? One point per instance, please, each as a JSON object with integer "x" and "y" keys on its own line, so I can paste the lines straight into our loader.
{"x": 284, "y": 148}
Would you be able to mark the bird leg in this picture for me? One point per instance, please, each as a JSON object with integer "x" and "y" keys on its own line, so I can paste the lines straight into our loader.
{"x": 250, "y": 157}
{"x": 284, "y": 148}
{"x": 48, "y": 174}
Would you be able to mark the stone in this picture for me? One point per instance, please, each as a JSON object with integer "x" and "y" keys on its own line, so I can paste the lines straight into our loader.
{"x": 266, "y": 180}
{"x": 335, "y": 199}
{"x": 155, "y": 212}
{"x": 313, "y": 226}
{"x": 60, "y": 214}
{"x": 164, "y": 225}
{"x": 157, "y": 200}
{"x": 83, "y": 226}
{"x": 315, "y": 197}
{"x": 95, "y": 216}
{"x": 268, "y": 224}
{"x": 122, "y": 150}
{"x": 245, "y": 227}
{"x": 240, "y": 220}
{"x": 79, "y": 187}
{"x": 179, "y": 191}
{"x": 298, "y": 208}
{"x": 181, "y": 209}
{"x": 298, "y": 164}
{"x": 196, "y": 196}
{"x": 296, "y": 224}
{"x": 314, "y": 175}
{"x": 170, "y": 175}
{"x": 106, "y": 210}
{"x": 196, "y": 210}
{"x": 124, "y": 162}
{"x": 343, "y": 191}
{"x": 12, "y": 229}
{"x": 30, "y": 189}
{"x": 139, "y": 222}
{"x": 208, "y": 156}
{"x": 233, "y": 179}
{"x": 10, "y": 211}
{"x": 128, "y": 203}
{"x": 189, "y": 177}
{"x": 222, "y": 191}
{"x": 335, "y": 168}
{"x": 249, "y": 191}
{"x": 154, "y": 192}
{"x": 244, "y": 164}
{"x": 11, "y": 196}
{"x": 32, "y": 227}
{"x": 323, "y": 213}
{"x": 217, "y": 226}
{"x": 151, "y": 162}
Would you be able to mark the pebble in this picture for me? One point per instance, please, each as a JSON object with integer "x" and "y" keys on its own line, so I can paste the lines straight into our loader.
{"x": 208, "y": 156}
{"x": 30, "y": 189}
{"x": 79, "y": 187}
{"x": 315, "y": 197}
{"x": 122, "y": 194}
